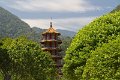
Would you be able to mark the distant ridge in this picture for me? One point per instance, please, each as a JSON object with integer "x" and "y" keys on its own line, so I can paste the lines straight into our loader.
{"x": 63, "y": 32}
{"x": 12, "y": 26}
{"x": 66, "y": 32}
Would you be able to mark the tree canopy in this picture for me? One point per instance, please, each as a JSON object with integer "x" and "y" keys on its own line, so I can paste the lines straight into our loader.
{"x": 99, "y": 32}
{"x": 104, "y": 62}
{"x": 25, "y": 60}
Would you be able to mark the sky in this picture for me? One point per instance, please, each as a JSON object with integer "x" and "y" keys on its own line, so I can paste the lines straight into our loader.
{"x": 66, "y": 14}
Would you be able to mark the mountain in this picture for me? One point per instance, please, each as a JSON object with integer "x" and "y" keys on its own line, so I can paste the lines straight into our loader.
{"x": 11, "y": 25}
{"x": 38, "y": 30}
{"x": 116, "y": 9}
{"x": 66, "y": 33}
{"x": 63, "y": 32}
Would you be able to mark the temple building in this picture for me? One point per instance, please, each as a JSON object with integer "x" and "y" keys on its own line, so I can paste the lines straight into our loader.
{"x": 51, "y": 43}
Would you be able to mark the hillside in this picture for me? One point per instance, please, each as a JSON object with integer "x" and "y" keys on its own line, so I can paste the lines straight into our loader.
{"x": 66, "y": 32}
{"x": 11, "y": 25}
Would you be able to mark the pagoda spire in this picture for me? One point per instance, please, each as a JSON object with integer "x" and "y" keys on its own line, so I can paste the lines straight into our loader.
{"x": 50, "y": 24}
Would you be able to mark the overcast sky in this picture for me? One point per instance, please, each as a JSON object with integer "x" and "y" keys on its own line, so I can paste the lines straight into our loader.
{"x": 66, "y": 14}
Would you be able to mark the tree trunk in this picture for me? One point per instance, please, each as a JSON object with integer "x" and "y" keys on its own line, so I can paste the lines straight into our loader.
{"x": 7, "y": 77}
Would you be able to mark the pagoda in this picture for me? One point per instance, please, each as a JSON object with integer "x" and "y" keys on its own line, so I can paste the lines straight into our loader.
{"x": 51, "y": 43}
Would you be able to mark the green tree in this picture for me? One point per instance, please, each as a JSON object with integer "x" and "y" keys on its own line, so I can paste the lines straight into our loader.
{"x": 104, "y": 62}
{"x": 93, "y": 35}
{"x": 28, "y": 61}
{"x": 5, "y": 62}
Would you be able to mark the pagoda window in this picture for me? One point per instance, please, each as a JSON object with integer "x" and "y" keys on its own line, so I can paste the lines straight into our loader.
{"x": 55, "y": 44}
{"x": 50, "y": 44}
{"x": 47, "y": 44}
{"x": 53, "y": 52}
{"x": 55, "y": 36}
{"x": 45, "y": 36}
{"x": 50, "y": 36}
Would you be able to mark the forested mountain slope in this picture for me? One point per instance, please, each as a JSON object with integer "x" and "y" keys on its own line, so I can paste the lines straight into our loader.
{"x": 11, "y": 25}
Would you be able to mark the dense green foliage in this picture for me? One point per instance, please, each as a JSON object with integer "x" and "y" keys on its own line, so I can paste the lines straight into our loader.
{"x": 94, "y": 35}
{"x": 23, "y": 59}
{"x": 104, "y": 62}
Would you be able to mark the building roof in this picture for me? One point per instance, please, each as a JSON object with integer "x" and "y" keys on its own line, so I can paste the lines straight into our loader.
{"x": 50, "y": 30}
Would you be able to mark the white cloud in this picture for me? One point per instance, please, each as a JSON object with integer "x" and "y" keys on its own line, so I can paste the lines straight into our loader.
{"x": 72, "y": 24}
{"x": 53, "y": 5}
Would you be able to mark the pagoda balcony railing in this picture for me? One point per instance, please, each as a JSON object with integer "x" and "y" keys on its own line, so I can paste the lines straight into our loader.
{"x": 59, "y": 65}
{"x": 51, "y": 38}
{"x": 56, "y": 56}
{"x": 51, "y": 47}
{"x": 59, "y": 41}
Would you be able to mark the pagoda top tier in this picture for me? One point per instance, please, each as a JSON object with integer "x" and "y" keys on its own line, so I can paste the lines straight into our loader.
{"x": 51, "y": 30}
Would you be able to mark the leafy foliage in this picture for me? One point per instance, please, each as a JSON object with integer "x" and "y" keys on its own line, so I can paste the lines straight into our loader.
{"x": 5, "y": 61}
{"x": 94, "y": 35}
{"x": 27, "y": 60}
{"x": 104, "y": 62}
